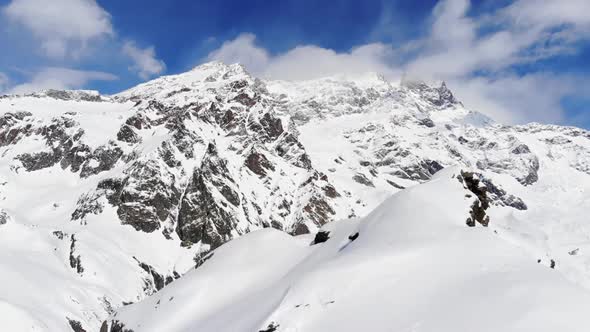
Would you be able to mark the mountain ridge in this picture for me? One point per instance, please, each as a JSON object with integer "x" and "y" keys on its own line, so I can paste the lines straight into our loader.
{"x": 188, "y": 162}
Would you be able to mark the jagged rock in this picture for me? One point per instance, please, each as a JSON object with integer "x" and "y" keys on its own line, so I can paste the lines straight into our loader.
{"x": 272, "y": 126}
{"x": 362, "y": 179}
{"x": 272, "y": 327}
{"x": 75, "y": 260}
{"x": 395, "y": 185}
{"x": 159, "y": 280}
{"x": 75, "y": 157}
{"x": 126, "y": 134}
{"x": 353, "y": 236}
{"x": 330, "y": 191}
{"x": 321, "y": 237}
{"x": 115, "y": 326}
{"x": 13, "y": 129}
{"x": 421, "y": 171}
{"x": 147, "y": 197}
{"x": 498, "y": 196}
{"x": 299, "y": 229}
{"x": 318, "y": 210}
{"x": 440, "y": 97}
{"x": 202, "y": 257}
{"x": 139, "y": 121}
{"x": 426, "y": 122}
{"x": 87, "y": 204}
{"x": 201, "y": 217}
{"x": 37, "y": 161}
{"x": 75, "y": 325}
{"x": 258, "y": 163}
{"x": 521, "y": 149}
{"x": 477, "y": 212}
{"x": 245, "y": 99}
{"x": 78, "y": 95}
{"x": 4, "y": 217}
{"x": 102, "y": 159}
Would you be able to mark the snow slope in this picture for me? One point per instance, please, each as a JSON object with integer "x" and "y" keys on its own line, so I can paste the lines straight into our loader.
{"x": 414, "y": 266}
{"x": 104, "y": 200}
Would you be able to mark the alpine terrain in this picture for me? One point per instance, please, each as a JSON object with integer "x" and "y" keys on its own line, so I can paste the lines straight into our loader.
{"x": 216, "y": 201}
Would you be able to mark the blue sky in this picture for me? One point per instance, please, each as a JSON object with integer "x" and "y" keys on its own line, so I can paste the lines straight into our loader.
{"x": 516, "y": 60}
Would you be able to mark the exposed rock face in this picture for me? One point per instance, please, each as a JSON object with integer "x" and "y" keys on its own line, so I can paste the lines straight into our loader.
{"x": 76, "y": 325}
{"x": 321, "y": 237}
{"x": 200, "y": 217}
{"x": 75, "y": 260}
{"x": 498, "y": 196}
{"x": 440, "y": 97}
{"x": 114, "y": 326}
{"x": 258, "y": 163}
{"x": 480, "y": 204}
{"x": 155, "y": 281}
{"x": 13, "y": 127}
{"x": 148, "y": 196}
{"x": 4, "y": 217}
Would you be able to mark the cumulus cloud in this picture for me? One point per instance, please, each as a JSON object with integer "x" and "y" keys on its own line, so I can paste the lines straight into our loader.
{"x": 144, "y": 60}
{"x": 61, "y": 78}
{"x": 305, "y": 61}
{"x": 63, "y": 27}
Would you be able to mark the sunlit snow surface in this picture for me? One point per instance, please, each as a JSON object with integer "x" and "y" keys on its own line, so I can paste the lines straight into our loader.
{"x": 414, "y": 267}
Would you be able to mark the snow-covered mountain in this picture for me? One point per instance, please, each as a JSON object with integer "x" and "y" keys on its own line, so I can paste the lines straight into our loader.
{"x": 107, "y": 199}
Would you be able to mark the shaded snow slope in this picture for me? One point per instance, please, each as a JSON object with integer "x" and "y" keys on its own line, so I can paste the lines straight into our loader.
{"x": 104, "y": 200}
{"x": 415, "y": 266}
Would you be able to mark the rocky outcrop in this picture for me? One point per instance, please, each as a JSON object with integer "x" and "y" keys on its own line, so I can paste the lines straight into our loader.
{"x": 480, "y": 204}
{"x": 320, "y": 237}
{"x": 114, "y": 326}
{"x": 4, "y": 217}
{"x": 500, "y": 197}
{"x": 258, "y": 163}
{"x": 208, "y": 210}
{"x": 75, "y": 260}
{"x": 155, "y": 280}
{"x": 439, "y": 97}
{"x": 75, "y": 325}
{"x": 13, "y": 127}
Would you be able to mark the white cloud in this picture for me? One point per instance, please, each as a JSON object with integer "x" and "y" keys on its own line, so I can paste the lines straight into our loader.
{"x": 243, "y": 50}
{"x": 517, "y": 99}
{"x": 475, "y": 55}
{"x": 4, "y": 80}
{"x": 549, "y": 13}
{"x": 68, "y": 29}
{"x": 523, "y": 32}
{"x": 305, "y": 61}
{"x": 61, "y": 79}
{"x": 64, "y": 27}
{"x": 479, "y": 66}
{"x": 145, "y": 62}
